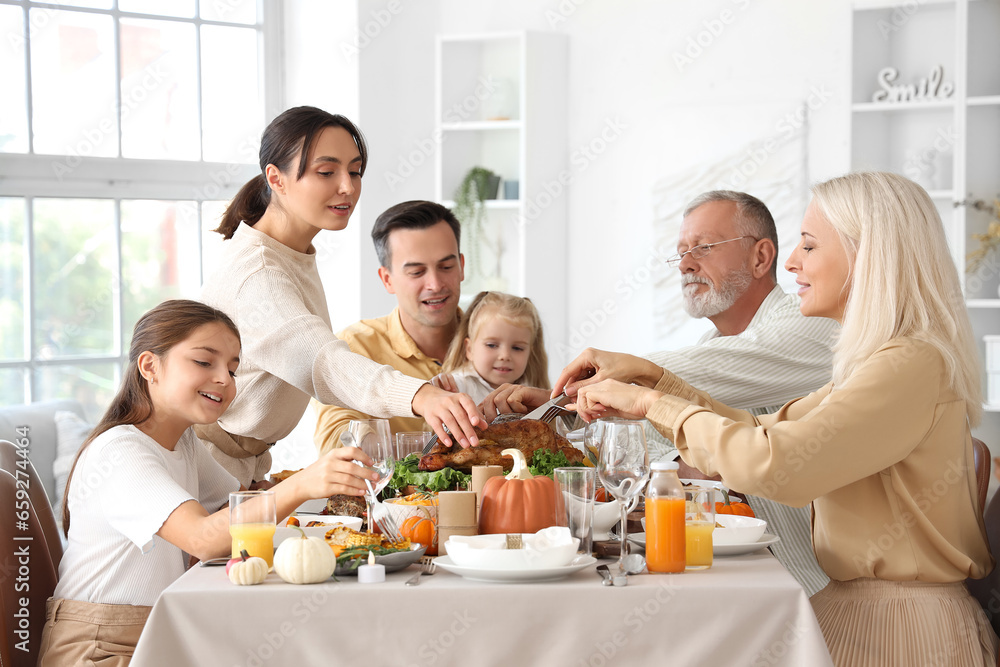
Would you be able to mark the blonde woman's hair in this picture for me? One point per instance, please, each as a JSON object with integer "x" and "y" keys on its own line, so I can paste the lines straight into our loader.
{"x": 517, "y": 310}
{"x": 904, "y": 281}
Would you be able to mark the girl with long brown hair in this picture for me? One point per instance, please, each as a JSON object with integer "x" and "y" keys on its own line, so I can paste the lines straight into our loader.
{"x": 143, "y": 491}
{"x": 311, "y": 166}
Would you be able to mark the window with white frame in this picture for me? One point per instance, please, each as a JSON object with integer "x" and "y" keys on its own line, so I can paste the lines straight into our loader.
{"x": 125, "y": 127}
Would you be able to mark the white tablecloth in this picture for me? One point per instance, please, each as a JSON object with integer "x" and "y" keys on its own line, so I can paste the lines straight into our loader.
{"x": 745, "y": 610}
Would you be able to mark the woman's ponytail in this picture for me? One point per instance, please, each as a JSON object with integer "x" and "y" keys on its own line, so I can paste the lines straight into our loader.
{"x": 247, "y": 206}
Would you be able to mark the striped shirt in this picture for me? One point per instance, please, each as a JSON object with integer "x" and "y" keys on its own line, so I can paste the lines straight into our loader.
{"x": 780, "y": 356}
{"x": 124, "y": 487}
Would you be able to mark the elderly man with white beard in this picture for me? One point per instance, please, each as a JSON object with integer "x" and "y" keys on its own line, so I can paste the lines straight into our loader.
{"x": 762, "y": 351}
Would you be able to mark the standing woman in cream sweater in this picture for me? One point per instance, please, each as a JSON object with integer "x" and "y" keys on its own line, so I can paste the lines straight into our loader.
{"x": 883, "y": 453}
{"x": 311, "y": 166}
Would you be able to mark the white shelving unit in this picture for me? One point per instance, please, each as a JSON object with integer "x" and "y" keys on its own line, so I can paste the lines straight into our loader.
{"x": 501, "y": 104}
{"x": 951, "y": 146}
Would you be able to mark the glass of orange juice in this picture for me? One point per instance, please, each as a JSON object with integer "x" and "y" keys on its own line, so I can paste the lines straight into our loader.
{"x": 699, "y": 522}
{"x": 252, "y": 516}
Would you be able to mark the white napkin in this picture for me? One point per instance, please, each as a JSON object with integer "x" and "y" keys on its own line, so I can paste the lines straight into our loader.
{"x": 543, "y": 540}
{"x": 548, "y": 538}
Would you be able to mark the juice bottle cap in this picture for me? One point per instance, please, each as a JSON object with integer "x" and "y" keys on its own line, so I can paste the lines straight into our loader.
{"x": 664, "y": 465}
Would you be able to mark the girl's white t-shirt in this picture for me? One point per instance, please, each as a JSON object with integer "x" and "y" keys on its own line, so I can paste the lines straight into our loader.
{"x": 470, "y": 382}
{"x": 124, "y": 487}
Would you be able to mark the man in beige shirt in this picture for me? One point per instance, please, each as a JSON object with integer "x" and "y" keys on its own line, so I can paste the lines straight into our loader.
{"x": 417, "y": 243}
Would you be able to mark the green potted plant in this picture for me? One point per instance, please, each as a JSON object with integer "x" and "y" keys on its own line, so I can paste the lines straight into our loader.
{"x": 478, "y": 185}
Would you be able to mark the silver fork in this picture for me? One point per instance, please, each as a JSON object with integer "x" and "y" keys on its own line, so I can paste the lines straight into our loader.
{"x": 554, "y": 411}
{"x": 550, "y": 413}
{"x": 427, "y": 566}
{"x": 381, "y": 516}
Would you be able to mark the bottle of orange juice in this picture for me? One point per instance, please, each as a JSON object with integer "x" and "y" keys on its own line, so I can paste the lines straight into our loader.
{"x": 665, "y": 543}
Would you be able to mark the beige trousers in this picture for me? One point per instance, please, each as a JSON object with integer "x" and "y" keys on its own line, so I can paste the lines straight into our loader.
{"x": 84, "y": 633}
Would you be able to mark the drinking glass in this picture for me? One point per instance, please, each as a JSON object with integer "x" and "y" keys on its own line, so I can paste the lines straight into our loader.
{"x": 575, "y": 503}
{"x": 373, "y": 437}
{"x": 622, "y": 464}
{"x": 411, "y": 442}
{"x": 252, "y": 517}
{"x": 699, "y": 522}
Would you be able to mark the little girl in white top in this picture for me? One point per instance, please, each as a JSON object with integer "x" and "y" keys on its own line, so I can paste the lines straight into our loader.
{"x": 144, "y": 491}
{"x": 498, "y": 341}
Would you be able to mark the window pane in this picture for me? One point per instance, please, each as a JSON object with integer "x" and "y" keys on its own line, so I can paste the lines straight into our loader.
{"x": 159, "y": 96}
{"x": 232, "y": 102}
{"x": 12, "y": 387}
{"x": 92, "y": 4}
{"x": 233, "y": 11}
{"x": 94, "y": 385}
{"x": 73, "y": 84}
{"x": 73, "y": 277}
{"x": 160, "y": 258}
{"x": 181, "y": 8}
{"x": 211, "y": 242}
{"x": 11, "y": 279}
{"x": 14, "y": 110}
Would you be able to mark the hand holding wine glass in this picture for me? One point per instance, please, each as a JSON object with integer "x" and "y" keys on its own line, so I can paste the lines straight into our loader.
{"x": 622, "y": 464}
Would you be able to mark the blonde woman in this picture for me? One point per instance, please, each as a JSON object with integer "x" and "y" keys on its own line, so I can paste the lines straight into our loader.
{"x": 883, "y": 453}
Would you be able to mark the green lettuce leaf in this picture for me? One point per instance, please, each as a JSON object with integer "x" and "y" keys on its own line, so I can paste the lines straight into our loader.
{"x": 407, "y": 473}
{"x": 545, "y": 461}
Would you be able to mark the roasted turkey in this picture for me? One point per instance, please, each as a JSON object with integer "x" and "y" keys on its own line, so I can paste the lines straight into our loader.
{"x": 527, "y": 435}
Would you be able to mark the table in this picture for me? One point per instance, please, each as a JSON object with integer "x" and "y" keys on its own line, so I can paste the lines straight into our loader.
{"x": 745, "y": 610}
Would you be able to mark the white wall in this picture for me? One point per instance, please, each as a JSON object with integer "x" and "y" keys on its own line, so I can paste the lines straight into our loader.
{"x": 760, "y": 60}
{"x": 318, "y": 73}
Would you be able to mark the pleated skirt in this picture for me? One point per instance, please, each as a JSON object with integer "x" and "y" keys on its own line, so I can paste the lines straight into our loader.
{"x": 878, "y": 623}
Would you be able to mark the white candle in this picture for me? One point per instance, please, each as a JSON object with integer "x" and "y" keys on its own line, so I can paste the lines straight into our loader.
{"x": 372, "y": 573}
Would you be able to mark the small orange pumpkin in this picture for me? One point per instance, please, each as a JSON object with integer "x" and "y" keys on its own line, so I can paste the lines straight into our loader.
{"x": 519, "y": 502}
{"x": 421, "y": 529}
{"x": 739, "y": 509}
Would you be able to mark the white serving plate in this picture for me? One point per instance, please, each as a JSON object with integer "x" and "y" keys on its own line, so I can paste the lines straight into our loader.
{"x": 515, "y": 576}
{"x": 283, "y": 532}
{"x": 766, "y": 540}
{"x": 472, "y": 552}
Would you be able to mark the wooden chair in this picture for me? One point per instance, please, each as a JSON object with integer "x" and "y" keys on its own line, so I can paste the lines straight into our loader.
{"x": 38, "y": 535}
{"x": 981, "y": 459}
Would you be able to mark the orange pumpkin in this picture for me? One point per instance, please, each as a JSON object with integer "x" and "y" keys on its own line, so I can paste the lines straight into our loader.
{"x": 739, "y": 509}
{"x": 519, "y": 502}
{"x": 421, "y": 529}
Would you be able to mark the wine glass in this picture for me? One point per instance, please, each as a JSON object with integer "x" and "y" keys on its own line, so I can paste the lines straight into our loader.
{"x": 622, "y": 465}
{"x": 373, "y": 437}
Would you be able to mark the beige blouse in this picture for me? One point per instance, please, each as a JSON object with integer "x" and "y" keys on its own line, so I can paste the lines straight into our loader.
{"x": 886, "y": 461}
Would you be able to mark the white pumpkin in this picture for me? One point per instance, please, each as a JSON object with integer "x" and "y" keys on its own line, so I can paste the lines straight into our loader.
{"x": 304, "y": 560}
{"x": 248, "y": 572}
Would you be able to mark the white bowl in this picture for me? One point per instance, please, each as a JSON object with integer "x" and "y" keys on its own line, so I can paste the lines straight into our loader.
{"x": 737, "y": 529}
{"x": 283, "y": 532}
{"x": 470, "y": 553}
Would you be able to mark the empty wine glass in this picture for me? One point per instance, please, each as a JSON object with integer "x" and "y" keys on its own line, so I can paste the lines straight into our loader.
{"x": 373, "y": 437}
{"x": 622, "y": 465}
